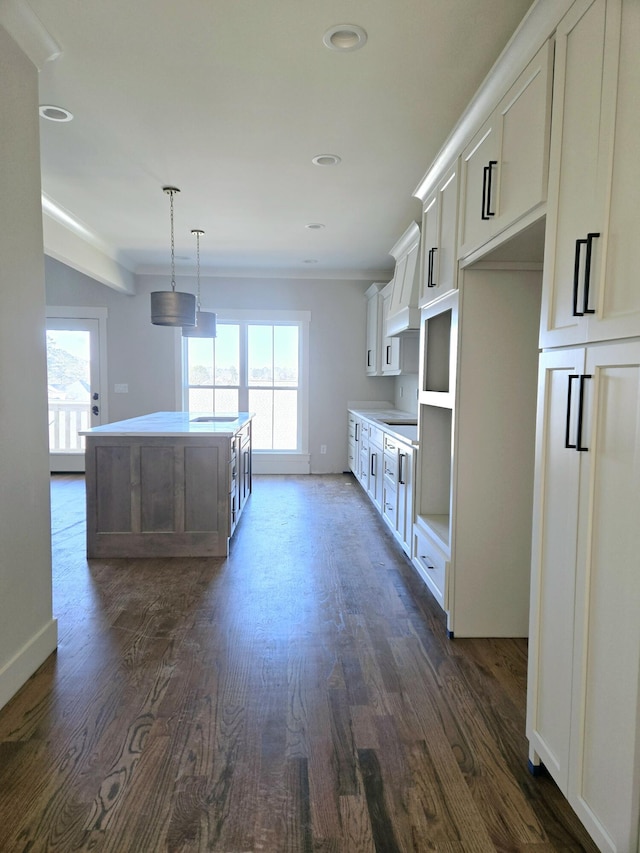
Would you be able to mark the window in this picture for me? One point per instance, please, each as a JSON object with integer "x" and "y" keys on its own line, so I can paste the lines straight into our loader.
{"x": 256, "y": 363}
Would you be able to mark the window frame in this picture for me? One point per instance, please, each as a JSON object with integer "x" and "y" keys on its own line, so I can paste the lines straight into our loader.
{"x": 265, "y": 461}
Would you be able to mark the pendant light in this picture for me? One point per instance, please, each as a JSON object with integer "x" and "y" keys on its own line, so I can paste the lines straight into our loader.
{"x": 171, "y": 307}
{"x": 205, "y": 326}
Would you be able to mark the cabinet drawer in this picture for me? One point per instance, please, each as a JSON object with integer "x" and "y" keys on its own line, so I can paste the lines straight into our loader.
{"x": 390, "y": 464}
{"x": 376, "y": 436}
{"x": 389, "y": 504}
{"x": 432, "y": 566}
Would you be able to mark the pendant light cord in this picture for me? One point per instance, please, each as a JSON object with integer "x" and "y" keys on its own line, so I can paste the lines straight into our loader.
{"x": 173, "y": 253}
{"x": 198, "y": 234}
{"x": 198, "y": 266}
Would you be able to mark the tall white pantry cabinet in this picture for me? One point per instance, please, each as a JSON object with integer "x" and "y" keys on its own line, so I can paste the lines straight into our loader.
{"x": 583, "y": 715}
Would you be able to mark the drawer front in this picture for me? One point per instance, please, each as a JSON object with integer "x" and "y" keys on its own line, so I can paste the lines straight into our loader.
{"x": 390, "y": 464}
{"x": 390, "y": 445}
{"x": 432, "y": 566}
{"x": 376, "y": 436}
{"x": 353, "y": 456}
{"x": 389, "y": 504}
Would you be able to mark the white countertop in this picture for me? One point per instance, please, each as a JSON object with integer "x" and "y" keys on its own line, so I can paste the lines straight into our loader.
{"x": 175, "y": 423}
{"x": 403, "y": 425}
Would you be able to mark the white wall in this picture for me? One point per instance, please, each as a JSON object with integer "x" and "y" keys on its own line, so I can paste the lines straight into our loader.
{"x": 28, "y": 632}
{"x": 143, "y": 356}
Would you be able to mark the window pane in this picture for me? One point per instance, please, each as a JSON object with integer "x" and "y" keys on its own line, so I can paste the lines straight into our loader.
{"x": 261, "y": 403}
{"x": 285, "y": 420}
{"x": 253, "y": 366}
{"x": 285, "y": 345}
{"x": 69, "y": 381}
{"x": 226, "y": 400}
{"x": 260, "y": 349}
{"x": 200, "y": 399}
{"x": 227, "y": 345}
{"x": 200, "y": 361}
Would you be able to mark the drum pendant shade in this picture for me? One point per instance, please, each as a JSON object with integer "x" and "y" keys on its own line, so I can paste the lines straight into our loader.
{"x": 172, "y": 307}
{"x": 206, "y": 322}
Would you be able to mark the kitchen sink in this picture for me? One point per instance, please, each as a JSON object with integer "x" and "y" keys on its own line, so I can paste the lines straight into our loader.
{"x": 213, "y": 419}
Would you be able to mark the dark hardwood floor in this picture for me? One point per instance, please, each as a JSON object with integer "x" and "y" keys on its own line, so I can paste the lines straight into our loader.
{"x": 299, "y": 696}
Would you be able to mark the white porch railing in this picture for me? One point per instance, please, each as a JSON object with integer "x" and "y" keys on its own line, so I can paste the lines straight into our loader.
{"x": 65, "y": 420}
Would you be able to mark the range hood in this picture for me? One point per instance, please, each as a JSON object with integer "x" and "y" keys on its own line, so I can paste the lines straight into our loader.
{"x": 404, "y": 314}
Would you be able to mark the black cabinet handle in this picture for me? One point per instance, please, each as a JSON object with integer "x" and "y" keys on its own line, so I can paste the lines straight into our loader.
{"x": 357, "y": 436}
{"x": 487, "y": 213}
{"x": 492, "y": 163}
{"x": 430, "y": 281}
{"x": 567, "y": 434}
{"x": 368, "y": 358}
{"x": 576, "y": 275}
{"x": 587, "y": 275}
{"x": 400, "y": 471}
{"x": 388, "y": 353}
{"x": 484, "y": 192}
{"x": 578, "y": 443}
{"x": 373, "y": 464}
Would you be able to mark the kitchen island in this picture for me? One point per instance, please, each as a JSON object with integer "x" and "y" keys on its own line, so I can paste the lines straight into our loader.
{"x": 167, "y": 484}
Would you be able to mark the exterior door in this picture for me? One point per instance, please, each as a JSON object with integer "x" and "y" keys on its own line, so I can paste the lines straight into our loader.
{"x": 74, "y": 394}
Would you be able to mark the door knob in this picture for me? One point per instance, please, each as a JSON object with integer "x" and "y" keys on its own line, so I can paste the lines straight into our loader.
{"x": 95, "y": 410}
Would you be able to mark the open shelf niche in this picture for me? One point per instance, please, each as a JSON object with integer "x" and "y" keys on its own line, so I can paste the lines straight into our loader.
{"x": 476, "y": 413}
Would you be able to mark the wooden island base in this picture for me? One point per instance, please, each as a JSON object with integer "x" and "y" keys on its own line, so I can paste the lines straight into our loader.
{"x": 172, "y": 495}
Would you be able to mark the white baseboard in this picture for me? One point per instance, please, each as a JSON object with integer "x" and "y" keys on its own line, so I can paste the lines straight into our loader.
{"x": 281, "y": 463}
{"x": 23, "y": 664}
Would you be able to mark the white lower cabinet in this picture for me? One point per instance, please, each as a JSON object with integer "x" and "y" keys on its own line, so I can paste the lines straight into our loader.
{"x": 385, "y": 467}
{"x": 397, "y": 507}
{"x": 374, "y": 488}
{"x": 432, "y": 565}
{"x": 583, "y": 715}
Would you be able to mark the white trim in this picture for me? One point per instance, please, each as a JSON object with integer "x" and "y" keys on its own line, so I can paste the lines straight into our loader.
{"x": 25, "y": 662}
{"x": 265, "y": 462}
{"x": 535, "y": 28}
{"x": 260, "y": 315}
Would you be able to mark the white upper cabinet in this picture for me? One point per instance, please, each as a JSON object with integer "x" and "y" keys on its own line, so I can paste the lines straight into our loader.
{"x": 398, "y": 354}
{"x": 404, "y": 314}
{"x": 389, "y": 347}
{"x": 590, "y": 284}
{"x": 374, "y": 330}
{"x": 439, "y": 273}
{"x": 504, "y": 167}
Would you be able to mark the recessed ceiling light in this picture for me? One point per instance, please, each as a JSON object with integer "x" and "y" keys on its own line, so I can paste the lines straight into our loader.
{"x": 311, "y": 261}
{"x": 315, "y": 226}
{"x": 326, "y": 160}
{"x": 345, "y": 37}
{"x": 54, "y": 113}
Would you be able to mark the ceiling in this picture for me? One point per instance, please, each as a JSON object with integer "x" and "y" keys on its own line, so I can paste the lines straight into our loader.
{"x": 230, "y": 100}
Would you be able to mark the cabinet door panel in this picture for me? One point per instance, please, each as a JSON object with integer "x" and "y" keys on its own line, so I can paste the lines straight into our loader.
{"x": 430, "y": 248}
{"x": 374, "y": 325}
{"x": 476, "y": 227}
{"x": 618, "y": 305}
{"x": 584, "y": 89}
{"x": 553, "y": 566}
{"x": 446, "y": 268}
{"x": 525, "y": 116}
{"x": 604, "y": 780}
